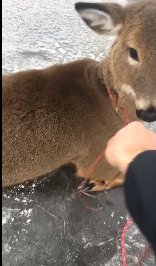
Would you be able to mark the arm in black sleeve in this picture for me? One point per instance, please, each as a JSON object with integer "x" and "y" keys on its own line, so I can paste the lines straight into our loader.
{"x": 140, "y": 192}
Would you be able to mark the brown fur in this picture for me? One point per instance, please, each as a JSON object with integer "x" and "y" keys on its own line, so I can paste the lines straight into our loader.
{"x": 56, "y": 116}
{"x": 63, "y": 114}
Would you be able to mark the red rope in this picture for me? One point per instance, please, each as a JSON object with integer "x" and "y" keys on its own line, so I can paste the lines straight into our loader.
{"x": 91, "y": 169}
{"x": 127, "y": 120}
{"x": 123, "y": 243}
{"x": 142, "y": 257}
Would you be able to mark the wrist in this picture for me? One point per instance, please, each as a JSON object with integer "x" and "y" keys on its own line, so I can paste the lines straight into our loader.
{"x": 129, "y": 160}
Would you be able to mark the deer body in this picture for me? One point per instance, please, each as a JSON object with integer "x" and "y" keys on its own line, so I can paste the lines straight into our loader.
{"x": 63, "y": 114}
{"x": 56, "y": 116}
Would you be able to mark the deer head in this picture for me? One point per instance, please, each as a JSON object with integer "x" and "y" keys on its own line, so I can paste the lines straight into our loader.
{"x": 130, "y": 66}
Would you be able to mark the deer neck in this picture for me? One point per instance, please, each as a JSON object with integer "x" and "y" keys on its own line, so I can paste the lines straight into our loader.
{"x": 95, "y": 77}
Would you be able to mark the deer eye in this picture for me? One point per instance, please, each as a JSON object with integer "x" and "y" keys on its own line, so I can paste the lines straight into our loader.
{"x": 133, "y": 54}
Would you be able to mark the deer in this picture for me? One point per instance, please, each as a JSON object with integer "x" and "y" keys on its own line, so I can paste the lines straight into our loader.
{"x": 63, "y": 113}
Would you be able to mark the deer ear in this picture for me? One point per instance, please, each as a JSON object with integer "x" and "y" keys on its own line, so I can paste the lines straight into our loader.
{"x": 106, "y": 18}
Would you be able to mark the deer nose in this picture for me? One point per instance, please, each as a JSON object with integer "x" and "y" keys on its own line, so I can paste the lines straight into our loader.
{"x": 148, "y": 115}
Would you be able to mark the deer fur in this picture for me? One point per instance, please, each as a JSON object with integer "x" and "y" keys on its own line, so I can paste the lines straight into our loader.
{"x": 63, "y": 114}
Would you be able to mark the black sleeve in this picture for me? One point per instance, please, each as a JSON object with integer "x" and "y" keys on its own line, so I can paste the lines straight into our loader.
{"x": 140, "y": 192}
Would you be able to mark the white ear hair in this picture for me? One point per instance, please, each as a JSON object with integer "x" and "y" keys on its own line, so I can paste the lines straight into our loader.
{"x": 100, "y": 19}
{"x": 95, "y": 17}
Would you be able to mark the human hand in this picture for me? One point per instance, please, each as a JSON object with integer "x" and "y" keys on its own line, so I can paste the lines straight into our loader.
{"x": 128, "y": 143}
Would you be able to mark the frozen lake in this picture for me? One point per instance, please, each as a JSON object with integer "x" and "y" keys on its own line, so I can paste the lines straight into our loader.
{"x": 44, "y": 223}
